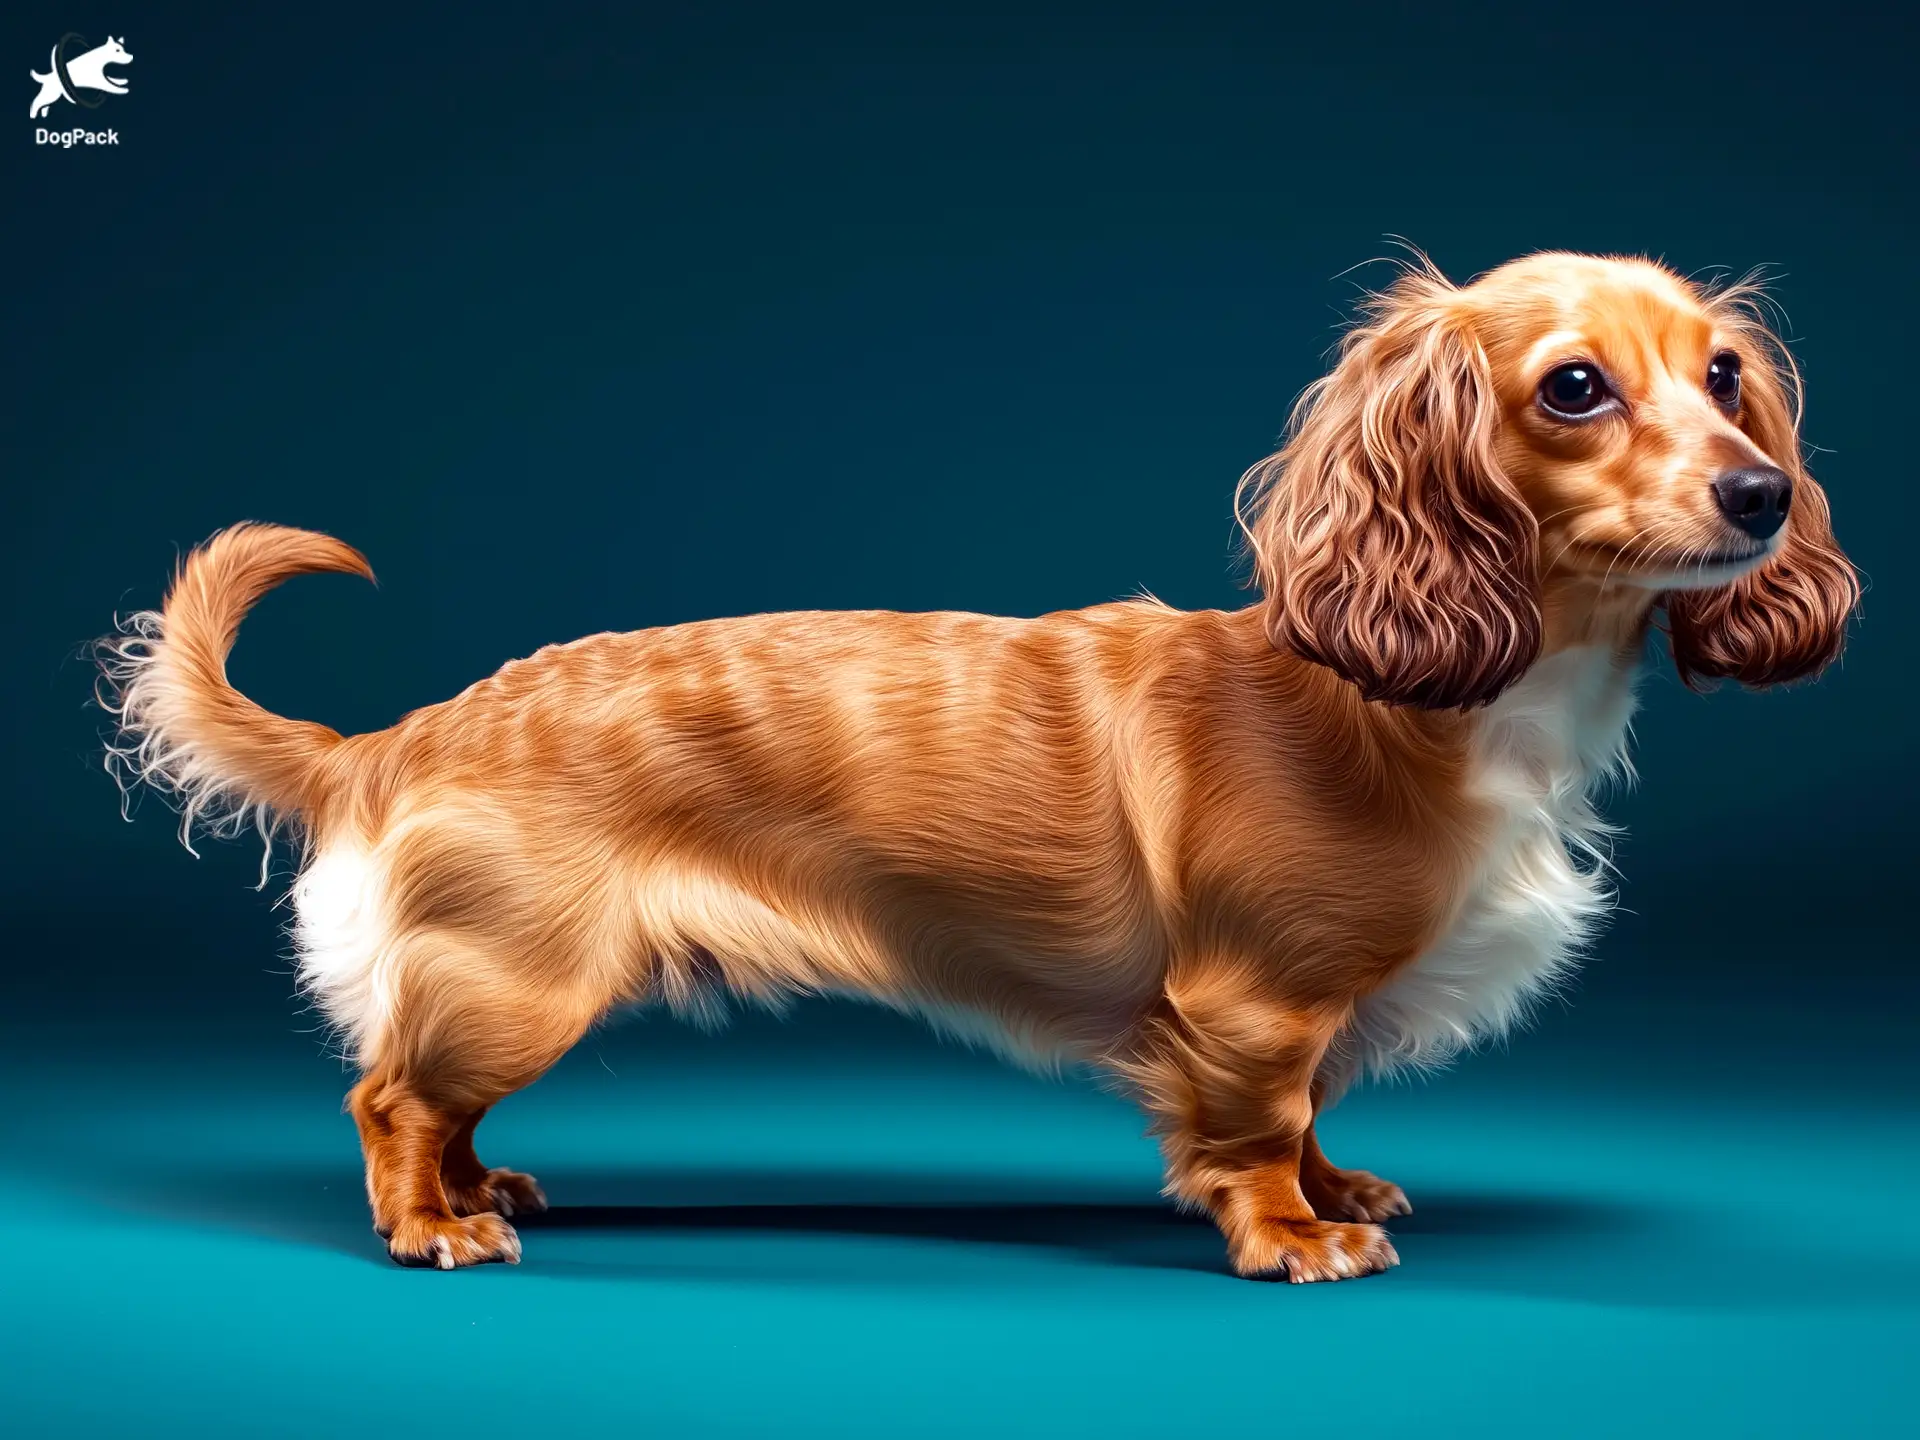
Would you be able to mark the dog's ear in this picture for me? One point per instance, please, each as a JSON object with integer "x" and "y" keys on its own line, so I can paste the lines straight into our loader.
{"x": 1787, "y": 619}
{"x": 1388, "y": 543}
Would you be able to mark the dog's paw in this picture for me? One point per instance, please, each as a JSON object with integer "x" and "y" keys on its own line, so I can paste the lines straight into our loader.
{"x": 1304, "y": 1251}
{"x": 502, "y": 1192}
{"x": 450, "y": 1244}
{"x": 1353, "y": 1195}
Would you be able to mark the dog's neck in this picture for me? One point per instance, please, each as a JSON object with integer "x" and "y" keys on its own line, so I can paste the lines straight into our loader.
{"x": 1566, "y": 720}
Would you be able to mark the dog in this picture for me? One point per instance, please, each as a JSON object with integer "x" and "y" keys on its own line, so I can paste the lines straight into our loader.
{"x": 88, "y": 71}
{"x": 1232, "y": 859}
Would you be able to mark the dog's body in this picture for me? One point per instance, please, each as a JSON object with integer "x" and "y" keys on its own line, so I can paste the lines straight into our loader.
{"x": 1201, "y": 851}
{"x": 1044, "y": 881}
{"x": 87, "y": 70}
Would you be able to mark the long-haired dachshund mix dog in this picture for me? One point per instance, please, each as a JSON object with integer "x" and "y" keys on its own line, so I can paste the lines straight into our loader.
{"x": 1233, "y": 859}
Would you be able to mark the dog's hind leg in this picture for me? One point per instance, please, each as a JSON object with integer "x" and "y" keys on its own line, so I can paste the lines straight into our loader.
{"x": 404, "y": 1128}
{"x": 466, "y": 1031}
{"x": 1226, "y": 1069}
{"x": 473, "y": 1189}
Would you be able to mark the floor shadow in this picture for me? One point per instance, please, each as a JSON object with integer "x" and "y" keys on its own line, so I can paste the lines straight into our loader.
{"x": 1541, "y": 1246}
{"x": 1119, "y": 1232}
{"x": 325, "y": 1206}
{"x": 1136, "y": 1233}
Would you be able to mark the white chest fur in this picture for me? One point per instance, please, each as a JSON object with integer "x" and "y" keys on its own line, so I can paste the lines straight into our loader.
{"x": 1538, "y": 890}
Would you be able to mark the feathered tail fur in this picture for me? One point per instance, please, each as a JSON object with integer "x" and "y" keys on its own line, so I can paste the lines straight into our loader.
{"x": 224, "y": 762}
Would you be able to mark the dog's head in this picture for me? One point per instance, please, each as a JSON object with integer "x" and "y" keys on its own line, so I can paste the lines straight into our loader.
{"x": 114, "y": 52}
{"x": 1566, "y": 425}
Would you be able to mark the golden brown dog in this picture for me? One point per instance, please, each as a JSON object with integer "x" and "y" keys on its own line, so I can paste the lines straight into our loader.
{"x": 1233, "y": 859}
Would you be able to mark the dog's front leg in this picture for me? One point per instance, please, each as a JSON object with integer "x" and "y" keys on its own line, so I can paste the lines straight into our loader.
{"x": 1337, "y": 1194}
{"x": 1226, "y": 1067}
{"x": 474, "y": 1189}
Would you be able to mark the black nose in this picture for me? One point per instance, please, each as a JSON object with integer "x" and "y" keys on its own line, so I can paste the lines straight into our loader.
{"x": 1755, "y": 498}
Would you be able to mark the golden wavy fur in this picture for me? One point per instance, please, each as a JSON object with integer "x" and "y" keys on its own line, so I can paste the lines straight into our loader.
{"x": 1233, "y": 859}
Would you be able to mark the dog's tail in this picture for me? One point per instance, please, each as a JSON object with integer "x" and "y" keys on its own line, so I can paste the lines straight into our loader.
{"x": 222, "y": 760}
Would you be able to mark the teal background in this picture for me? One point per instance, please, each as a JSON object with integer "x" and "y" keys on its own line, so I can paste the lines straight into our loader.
{"x": 604, "y": 317}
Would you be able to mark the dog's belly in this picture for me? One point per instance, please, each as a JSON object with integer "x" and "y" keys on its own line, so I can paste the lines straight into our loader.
{"x": 1037, "y": 990}
{"x": 676, "y": 932}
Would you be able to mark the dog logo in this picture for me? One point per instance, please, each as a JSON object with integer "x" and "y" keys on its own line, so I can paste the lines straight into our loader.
{"x": 71, "y": 76}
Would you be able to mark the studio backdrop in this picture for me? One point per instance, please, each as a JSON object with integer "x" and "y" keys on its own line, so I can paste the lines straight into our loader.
{"x": 636, "y": 315}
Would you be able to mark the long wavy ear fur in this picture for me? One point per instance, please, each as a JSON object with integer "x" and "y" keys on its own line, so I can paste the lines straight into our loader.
{"x": 1787, "y": 619}
{"x": 1387, "y": 542}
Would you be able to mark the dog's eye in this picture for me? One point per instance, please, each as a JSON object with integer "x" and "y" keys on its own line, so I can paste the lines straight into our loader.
{"x": 1573, "y": 390}
{"x": 1723, "y": 380}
